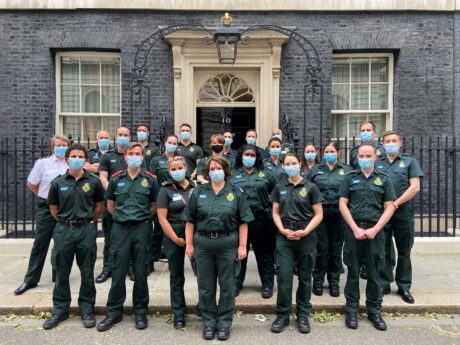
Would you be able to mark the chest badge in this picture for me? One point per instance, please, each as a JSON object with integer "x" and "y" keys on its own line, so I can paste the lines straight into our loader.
{"x": 303, "y": 192}
{"x": 86, "y": 187}
{"x": 148, "y": 153}
{"x": 230, "y": 196}
{"x": 191, "y": 149}
{"x": 378, "y": 181}
{"x": 402, "y": 165}
{"x": 145, "y": 183}
{"x": 261, "y": 174}
{"x": 341, "y": 172}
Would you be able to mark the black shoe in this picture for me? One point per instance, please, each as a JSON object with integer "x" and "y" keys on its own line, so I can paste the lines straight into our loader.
{"x": 223, "y": 333}
{"x": 237, "y": 291}
{"x": 131, "y": 273}
{"x": 406, "y": 296}
{"x": 89, "y": 320}
{"x": 152, "y": 267}
{"x": 267, "y": 293}
{"x": 334, "y": 291}
{"x": 108, "y": 322}
{"x": 280, "y": 324}
{"x": 105, "y": 274}
{"x": 363, "y": 273}
{"x": 317, "y": 289}
{"x": 141, "y": 321}
{"x": 198, "y": 310}
{"x": 302, "y": 324}
{"x": 296, "y": 269}
{"x": 162, "y": 257}
{"x": 377, "y": 321}
{"x": 351, "y": 320}
{"x": 179, "y": 321}
{"x": 54, "y": 321}
{"x": 386, "y": 290}
{"x": 24, "y": 287}
{"x": 208, "y": 332}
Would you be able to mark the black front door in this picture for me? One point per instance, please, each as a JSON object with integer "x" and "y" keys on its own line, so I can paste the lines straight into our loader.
{"x": 219, "y": 120}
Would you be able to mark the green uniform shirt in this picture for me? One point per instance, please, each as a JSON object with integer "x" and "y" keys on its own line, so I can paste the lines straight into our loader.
{"x": 159, "y": 167}
{"x": 150, "y": 151}
{"x": 76, "y": 199}
{"x": 403, "y": 168}
{"x": 329, "y": 181}
{"x": 257, "y": 186}
{"x": 95, "y": 155}
{"x": 174, "y": 198}
{"x": 223, "y": 212}
{"x": 230, "y": 156}
{"x": 367, "y": 195}
{"x": 296, "y": 202}
{"x": 112, "y": 161}
{"x": 285, "y": 148}
{"x": 132, "y": 197}
{"x": 276, "y": 170}
{"x": 192, "y": 152}
{"x": 354, "y": 154}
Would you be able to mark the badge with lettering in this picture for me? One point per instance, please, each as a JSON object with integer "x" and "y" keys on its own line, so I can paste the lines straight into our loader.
{"x": 63, "y": 189}
{"x": 145, "y": 183}
{"x": 191, "y": 149}
{"x": 86, "y": 187}
{"x": 283, "y": 192}
{"x": 120, "y": 184}
{"x": 202, "y": 196}
{"x": 355, "y": 182}
{"x": 341, "y": 172}
{"x": 261, "y": 174}
{"x": 230, "y": 196}
{"x": 176, "y": 197}
{"x": 378, "y": 181}
{"x": 402, "y": 165}
{"x": 113, "y": 161}
{"x": 148, "y": 153}
{"x": 303, "y": 192}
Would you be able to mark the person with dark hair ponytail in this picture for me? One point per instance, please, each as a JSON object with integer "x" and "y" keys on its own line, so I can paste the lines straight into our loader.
{"x": 274, "y": 162}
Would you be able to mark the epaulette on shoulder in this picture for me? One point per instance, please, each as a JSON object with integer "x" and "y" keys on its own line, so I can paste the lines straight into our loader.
{"x": 381, "y": 173}
{"x": 92, "y": 150}
{"x": 56, "y": 177}
{"x": 166, "y": 183}
{"x": 116, "y": 173}
{"x": 148, "y": 173}
{"x": 94, "y": 175}
{"x": 352, "y": 172}
{"x": 345, "y": 165}
{"x": 237, "y": 188}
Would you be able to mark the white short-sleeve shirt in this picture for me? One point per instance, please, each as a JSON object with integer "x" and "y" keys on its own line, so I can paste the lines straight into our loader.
{"x": 44, "y": 171}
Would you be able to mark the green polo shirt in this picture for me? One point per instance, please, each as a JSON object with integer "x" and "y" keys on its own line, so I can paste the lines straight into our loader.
{"x": 112, "y": 161}
{"x": 401, "y": 170}
{"x": 159, "y": 167}
{"x": 150, "y": 151}
{"x": 329, "y": 181}
{"x": 223, "y": 212}
{"x": 354, "y": 154}
{"x": 192, "y": 152}
{"x": 276, "y": 170}
{"x": 285, "y": 148}
{"x": 366, "y": 196}
{"x": 296, "y": 202}
{"x": 132, "y": 196}
{"x": 76, "y": 199}
{"x": 174, "y": 198}
{"x": 257, "y": 186}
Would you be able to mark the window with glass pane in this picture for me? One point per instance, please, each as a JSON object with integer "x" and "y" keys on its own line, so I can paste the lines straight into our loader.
{"x": 89, "y": 94}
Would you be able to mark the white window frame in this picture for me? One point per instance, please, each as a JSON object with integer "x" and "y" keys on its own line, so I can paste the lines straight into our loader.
{"x": 389, "y": 112}
{"x": 59, "y": 125}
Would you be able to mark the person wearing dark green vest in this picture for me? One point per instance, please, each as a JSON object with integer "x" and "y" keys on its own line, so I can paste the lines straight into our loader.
{"x": 131, "y": 196}
{"x": 111, "y": 162}
{"x": 216, "y": 233}
{"x": 405, "y": 173}
{"x": 172, "y": 199}
{"x": 39, "y": 180}
{"x": 257, "y": 183}
{"x": 150, "y": 149}
{"x": 328, "y": 176}
{"x": 76, "y": 201}
{"x": 366, "y": 205}
{"x": 95, "y": 154}
{"x": 297, "y": 212}
{"x": 189, "y": 150}
{"x": 274, "y": 163}
{"x": 217, "y": 146}
{"x": 228, "y": 152}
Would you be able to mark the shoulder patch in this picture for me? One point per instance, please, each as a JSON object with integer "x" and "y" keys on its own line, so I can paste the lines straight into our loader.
{"x": 116, "y": 173}
{"x": 236, "y": 187}
{"x": 352, "y": 172}
{"x": 94, "y": 175}
{"x": 382, "y": 173}
{"x": 166, "y": 183}
{"x": 148, "y": 173}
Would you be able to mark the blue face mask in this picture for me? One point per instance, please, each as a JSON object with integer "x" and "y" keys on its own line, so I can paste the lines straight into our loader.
{"x": 59, "y": 151}
{"x": 310, "y": 156}
{"x": 178, "y": 175}
{"x": 330, "y": 157}
{"x": 275, "y": 151}
{"x": 134, "y": 162}
{"x": 392, "y": 149}
{"x": 170, "y": 148}
{"x": 141, "y": 136}
{"x": 228, "y": 141}
{"x": 103, "y": 144}
{"x": 251, "y": 141}
{"x": 185, "y": 135}
{"x": 292, "y": 170}
{"x": 249, "y": 162}
{"x": 366, "y": 137}
{"x": 76, "y": 164}
{"x": 366, "y": 163}
{"x": 123, "y": 141}
{"x": 217, "y": 175}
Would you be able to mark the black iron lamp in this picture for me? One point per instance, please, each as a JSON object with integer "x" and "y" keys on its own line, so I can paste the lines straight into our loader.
{"x": 227, "y": 39}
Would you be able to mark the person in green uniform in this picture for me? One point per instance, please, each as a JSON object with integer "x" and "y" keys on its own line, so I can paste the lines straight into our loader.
{"x": 285, "y": 147}
{"x": 257, "y": 183}
{"x": 189, "y": 150}
{"x": 405, "y": 173}
{"x": 309, "y": 159}
{"x": 131, "y": 196}
{"x": 76, "y": 201}
{"x": 366, "y": 205}
{"x": 171, "y": 201}
{"x": 150, "y": 149}
{"x": 95, "y": 154}
{"x": 274, "y": 163}
{"x": 216, "y": 233}
{"x": 297, "y": 212}
{"x": 217, "y": 146}
{"x": 111, "y": 162}
{"x": 328, "y": 176}
{"x": 228, "y": 152}
{"x": 251, "y": 139}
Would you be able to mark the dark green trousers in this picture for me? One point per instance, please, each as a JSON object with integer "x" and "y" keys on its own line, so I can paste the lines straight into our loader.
{"x": 129, "y": 241}
{"x": 261, "y": 235}
{"x": 401, "y": 227}
{"x": 44, "y": 227}
{"x": 216, "y": 262}
{"x": 107, "y": 227}
{"x": 156, "y": 240}
{"x": 80, "y": 243}
{"x": 329, "y": 248}
{"x": 353, "y": 253}
{"x": 176, "y": 255}
{"x": 304, "y": 253}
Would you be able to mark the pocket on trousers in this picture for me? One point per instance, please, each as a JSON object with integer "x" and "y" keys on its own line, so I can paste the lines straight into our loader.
{"x": 380, "y": 264}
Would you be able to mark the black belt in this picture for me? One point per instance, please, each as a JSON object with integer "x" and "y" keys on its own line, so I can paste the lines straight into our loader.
{"x": 75, "y": 223}
{"x": 132, "y": 222}
{"x": 294, "y": 224}
{"x": 179, "y": 222}
{"x": 330, "y": 206}
{"x": 213, "y": 234}
{"x": 365, "y": 225}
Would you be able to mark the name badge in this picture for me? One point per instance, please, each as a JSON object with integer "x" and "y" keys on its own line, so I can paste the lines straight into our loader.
{"x": 202, "y": 196}
{"x": 355, "y": 181}
{"x": 63, "y": 189}
{"x": 320, "y": 172}
{"x": 176, "y": 197}
{"x": 113, "y": 161}
{"x": 379, "y": 166}
{"x": 238, "y": 176}
{"x": 283, "y": 192}
{"x": 120, "y": 184}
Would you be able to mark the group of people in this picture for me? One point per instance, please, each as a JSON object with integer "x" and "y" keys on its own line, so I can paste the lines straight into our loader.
{"x": 299, "y": 214}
